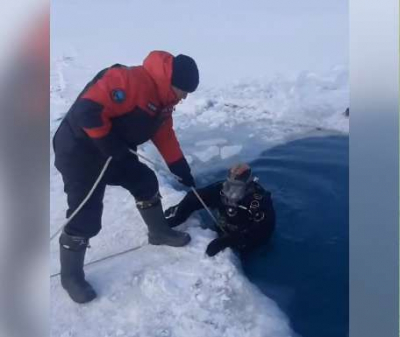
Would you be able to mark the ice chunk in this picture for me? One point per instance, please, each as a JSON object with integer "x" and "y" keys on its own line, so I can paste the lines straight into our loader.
{"x": 210, "y": 142}
{"x": 207, "y": 154}
{"x": 229, "y": 151}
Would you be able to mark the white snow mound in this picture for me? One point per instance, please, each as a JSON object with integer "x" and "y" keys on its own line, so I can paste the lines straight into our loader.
{"x": 164, "y": 291}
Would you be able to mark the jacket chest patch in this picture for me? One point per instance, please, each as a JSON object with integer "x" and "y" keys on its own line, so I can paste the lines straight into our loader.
{"x": 118, "y": 96}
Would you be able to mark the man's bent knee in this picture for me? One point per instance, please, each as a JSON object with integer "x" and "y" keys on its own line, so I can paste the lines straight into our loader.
{"x": 86, "y": 223}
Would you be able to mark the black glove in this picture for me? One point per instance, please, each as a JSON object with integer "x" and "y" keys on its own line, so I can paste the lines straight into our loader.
{"x": 216, "y": 245}
{"x": 170, "y": 216}
{"x": 181, "y": 169}
{"x": 188, "y": 181}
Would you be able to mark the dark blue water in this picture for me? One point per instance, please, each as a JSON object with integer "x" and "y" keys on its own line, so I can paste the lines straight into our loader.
{"x": 305, "y": 268}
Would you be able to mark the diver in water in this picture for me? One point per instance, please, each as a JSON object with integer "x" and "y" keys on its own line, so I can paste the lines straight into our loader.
{"x": 245, "y": 212}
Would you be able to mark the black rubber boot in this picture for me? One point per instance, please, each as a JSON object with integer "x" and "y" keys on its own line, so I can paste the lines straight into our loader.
{"x": 72, "y": 256}
{"x": 160, "y": 232}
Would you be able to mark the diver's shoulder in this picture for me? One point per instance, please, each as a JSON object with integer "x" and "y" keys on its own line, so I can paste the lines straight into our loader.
{"x": 258, "y": 188}
{"x": 216, "y": 185}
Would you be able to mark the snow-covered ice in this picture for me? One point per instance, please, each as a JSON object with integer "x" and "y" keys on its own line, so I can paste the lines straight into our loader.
{"x": 161, "y": 291}
{"x": 229, "y": 151}
{"x": 209, "y": 142}
{"x": 170, "y": 292}
{"x": 207, "y": 154}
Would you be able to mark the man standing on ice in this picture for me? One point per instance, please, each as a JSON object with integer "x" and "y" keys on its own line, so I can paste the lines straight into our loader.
{"x": 119, "y": 109}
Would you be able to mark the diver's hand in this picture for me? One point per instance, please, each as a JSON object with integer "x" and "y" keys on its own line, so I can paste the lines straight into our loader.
{"x": 170, "y": 216}
{"x": 215, "y": 246}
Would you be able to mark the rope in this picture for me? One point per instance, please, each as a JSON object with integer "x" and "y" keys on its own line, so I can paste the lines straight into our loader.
{"x": 104, "y": 258}
{"x": 162, "y": 168}
{"x": 94, "y": 187}
{"x": 84, "y": 200}
{"x": 205, "y": 206}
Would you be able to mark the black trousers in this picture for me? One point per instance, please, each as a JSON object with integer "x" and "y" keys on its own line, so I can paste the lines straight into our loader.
{"x": 80, "y": 165}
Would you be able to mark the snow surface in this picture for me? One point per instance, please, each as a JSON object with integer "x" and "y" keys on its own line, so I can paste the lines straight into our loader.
{"x": 270, "y": 72}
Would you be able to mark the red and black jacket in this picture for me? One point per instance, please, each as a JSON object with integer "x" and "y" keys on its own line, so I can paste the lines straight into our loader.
{"x": 123, "y": 107}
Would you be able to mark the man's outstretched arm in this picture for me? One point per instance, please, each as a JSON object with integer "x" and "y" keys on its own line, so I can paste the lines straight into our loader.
{"x": 179, "y": 213}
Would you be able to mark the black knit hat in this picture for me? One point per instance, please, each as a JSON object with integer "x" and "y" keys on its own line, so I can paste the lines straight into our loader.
{"x": 185, "y": 75}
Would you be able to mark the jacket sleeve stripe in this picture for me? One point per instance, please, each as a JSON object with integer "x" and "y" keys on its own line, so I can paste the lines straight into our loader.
{"x": 88, "y": 113}
{"x": 99, "y": 132}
